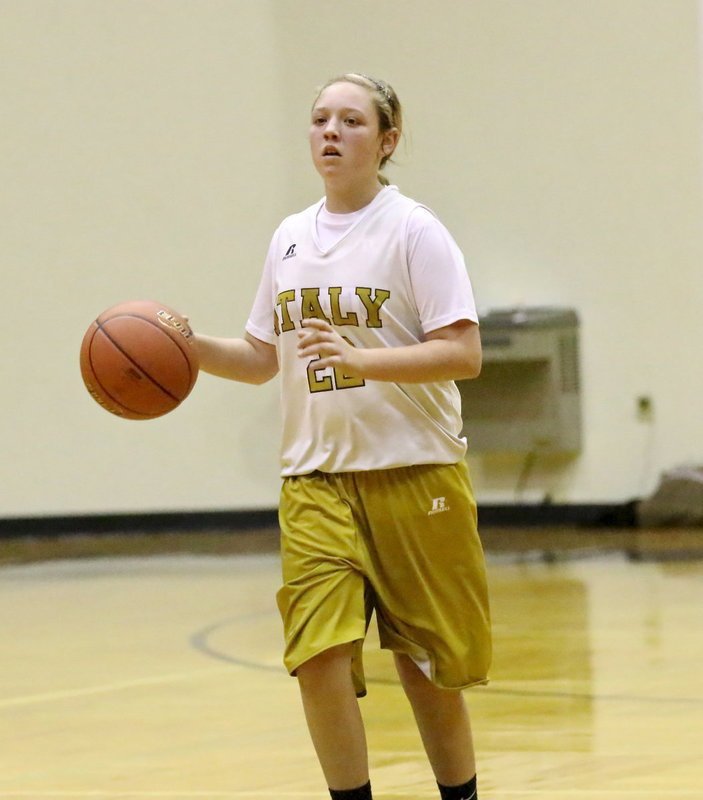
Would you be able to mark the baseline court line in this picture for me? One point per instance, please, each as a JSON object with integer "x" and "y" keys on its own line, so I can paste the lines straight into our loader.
{"x": 118, "y": 686}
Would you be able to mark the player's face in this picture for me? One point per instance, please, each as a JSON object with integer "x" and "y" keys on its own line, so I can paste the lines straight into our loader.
{"x": 345, "y": 140}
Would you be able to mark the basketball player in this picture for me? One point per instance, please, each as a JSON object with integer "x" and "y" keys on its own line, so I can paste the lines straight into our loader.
{"x": 366, "y": 306}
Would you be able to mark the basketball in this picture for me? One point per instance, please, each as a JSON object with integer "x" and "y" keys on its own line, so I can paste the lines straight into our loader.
{"x": 139, "y": 360}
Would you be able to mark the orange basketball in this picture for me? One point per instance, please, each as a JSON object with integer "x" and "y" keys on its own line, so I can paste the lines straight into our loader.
{"x": 139, "y": 359}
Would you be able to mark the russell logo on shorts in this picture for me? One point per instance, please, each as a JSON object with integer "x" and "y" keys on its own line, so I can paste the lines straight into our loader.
{"x": 439, "y": 504}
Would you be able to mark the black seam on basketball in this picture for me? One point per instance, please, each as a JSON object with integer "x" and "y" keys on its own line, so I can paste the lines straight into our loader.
{"x": 158, "y": 327}
{"x": 118, "y": 406}
{"x": 138, "y": 366}
{"x": 116, "y": 401}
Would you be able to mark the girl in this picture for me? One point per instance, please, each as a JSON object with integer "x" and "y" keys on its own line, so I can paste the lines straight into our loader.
{"x": 366, "y": 307}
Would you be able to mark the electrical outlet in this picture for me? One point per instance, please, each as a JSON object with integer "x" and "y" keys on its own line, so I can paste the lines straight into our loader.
{"x": 645, "y": 408}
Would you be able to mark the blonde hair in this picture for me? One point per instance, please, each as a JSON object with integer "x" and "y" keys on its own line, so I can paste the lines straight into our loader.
{"x": 385, "y": 100}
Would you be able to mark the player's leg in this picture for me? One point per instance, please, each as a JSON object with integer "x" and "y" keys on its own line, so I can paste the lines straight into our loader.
{"x": 325, "y": 610}
{"x": 443, "y": 722}
{"x": 432, "y": 606}
{"x": 334, "y": 719}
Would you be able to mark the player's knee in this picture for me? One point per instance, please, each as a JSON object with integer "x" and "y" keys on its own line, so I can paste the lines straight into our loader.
{"x": 408, "y": 670}
{"x": 326, "y": 662}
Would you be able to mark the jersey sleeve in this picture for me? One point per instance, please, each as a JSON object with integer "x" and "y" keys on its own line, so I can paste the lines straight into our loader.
{"x": 438, "y": 276}
{"x": 260, "y": 323}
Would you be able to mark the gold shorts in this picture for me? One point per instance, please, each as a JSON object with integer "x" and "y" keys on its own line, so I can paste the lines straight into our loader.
{"x": 401, "y": 542}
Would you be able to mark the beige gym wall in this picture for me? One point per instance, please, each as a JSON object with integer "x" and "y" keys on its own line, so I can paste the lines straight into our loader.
{"x": 149, "y": 148}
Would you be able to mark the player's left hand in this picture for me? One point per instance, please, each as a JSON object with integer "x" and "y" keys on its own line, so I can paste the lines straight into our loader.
{"x": 319, "y": 339}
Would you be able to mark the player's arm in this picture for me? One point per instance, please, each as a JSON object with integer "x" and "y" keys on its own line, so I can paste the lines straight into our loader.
{"x": 449, "y": 353}
{"x": 248, "y": 360}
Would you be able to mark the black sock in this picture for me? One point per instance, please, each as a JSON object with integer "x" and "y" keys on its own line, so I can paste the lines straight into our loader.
{"x": 467, "y": 791}
{"x": 362, "y": 793}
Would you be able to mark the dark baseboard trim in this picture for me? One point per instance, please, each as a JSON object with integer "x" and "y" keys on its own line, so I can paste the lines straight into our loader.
{"x": 504, "y": 515}
{"x": 583, "y": 515}
{"x": 147, "y": 522}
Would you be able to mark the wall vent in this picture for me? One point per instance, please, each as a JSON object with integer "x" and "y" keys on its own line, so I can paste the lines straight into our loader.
{"x": 527, "y": 398}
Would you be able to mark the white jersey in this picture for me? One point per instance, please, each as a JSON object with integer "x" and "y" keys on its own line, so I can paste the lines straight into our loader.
{"x": 393, "y": 276}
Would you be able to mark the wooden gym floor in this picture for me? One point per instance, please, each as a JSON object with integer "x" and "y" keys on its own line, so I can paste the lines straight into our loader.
{"x": 149, "y": 667}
